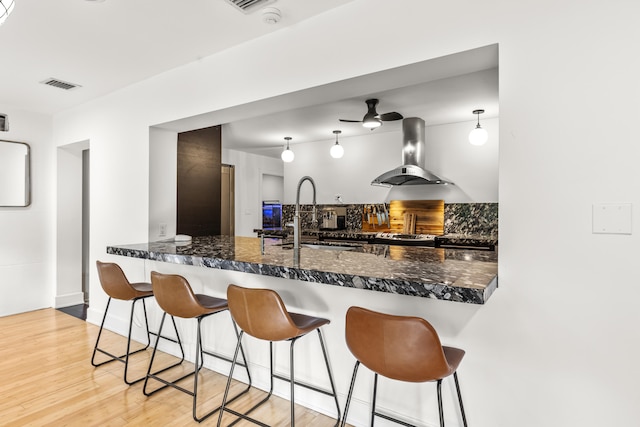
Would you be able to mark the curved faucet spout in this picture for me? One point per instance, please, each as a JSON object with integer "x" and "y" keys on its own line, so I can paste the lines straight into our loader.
{"x": 296, "y": 216}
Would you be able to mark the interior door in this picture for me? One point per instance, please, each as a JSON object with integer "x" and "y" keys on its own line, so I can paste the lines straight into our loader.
{"x": 227, "y": 201}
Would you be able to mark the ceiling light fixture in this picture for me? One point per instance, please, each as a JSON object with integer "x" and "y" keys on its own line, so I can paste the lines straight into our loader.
{"x": 287, "y": 155}
{"x": 478, "y": 136}
{"x": 371, "y": 121}
{"x": 337, "y": 151}
{"x": 6, "y": 7}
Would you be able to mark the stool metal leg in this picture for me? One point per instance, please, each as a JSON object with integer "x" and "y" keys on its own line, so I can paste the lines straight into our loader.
{"x": 274, "y": 375}
{"x": 124, "y": 357}
{"x": 350, "y": 393}
{"x": 333, "y": 387}
{"x": 198, "y": 365}
{"x": 293, "y": 382}
{"x": 373, "y": 399}
{"x": 201, "y": 352}
{"x": 153, "y": 356}
{"x": 440, "y": 412}
{"x": 224, "y": 408}
{"x": 464, "y": 418}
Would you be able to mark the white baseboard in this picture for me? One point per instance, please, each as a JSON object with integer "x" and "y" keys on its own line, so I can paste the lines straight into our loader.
{"x": 69, "y": 299}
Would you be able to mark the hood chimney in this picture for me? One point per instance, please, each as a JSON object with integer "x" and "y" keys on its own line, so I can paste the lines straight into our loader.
{"x": 412, "y": 171}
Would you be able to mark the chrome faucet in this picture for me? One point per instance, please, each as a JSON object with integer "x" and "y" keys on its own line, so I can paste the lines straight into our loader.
{"x": 296, "y": 216}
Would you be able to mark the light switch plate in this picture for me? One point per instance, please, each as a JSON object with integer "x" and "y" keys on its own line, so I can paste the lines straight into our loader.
{"x": 612, "y": 218}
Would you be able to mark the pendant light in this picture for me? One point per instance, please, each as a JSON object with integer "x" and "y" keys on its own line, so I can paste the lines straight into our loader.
{"x": 287, "y": 155}
{"x": 6, "y": 7}
{"x": 337, "y": 151}
{"x": 478, "y": 136}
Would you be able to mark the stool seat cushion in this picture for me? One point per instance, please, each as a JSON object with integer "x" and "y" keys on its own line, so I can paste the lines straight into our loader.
{"x": 143, "y": 288}
{"x": 306, "y": 323}
{"x": 454, "y": 357}
{"x": 211, "y": 303}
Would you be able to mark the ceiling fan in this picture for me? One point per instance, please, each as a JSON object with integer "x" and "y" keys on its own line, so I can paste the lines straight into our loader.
{"x": 372, "y": 119}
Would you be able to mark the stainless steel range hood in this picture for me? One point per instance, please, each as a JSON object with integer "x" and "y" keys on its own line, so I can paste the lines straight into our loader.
{"x": 411, "y": 172}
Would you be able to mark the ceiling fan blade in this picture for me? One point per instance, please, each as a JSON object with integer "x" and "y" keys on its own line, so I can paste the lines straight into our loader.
{"x": 387, "y": 117}
{"x": 350, "y": 121}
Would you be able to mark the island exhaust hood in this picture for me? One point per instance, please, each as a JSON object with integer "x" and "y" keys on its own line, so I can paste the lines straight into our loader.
{"x": 411, "y": 172}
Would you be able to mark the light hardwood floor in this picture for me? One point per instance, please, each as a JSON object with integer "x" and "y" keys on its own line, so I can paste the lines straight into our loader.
{"x": 47, "y": 379}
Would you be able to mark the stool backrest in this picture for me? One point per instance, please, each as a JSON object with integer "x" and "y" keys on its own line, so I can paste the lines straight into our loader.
{"x": 175, "y": 296}
{"x": 398, "y": 347}
{"x": 260, "y": 313}
{"x": 114, "y": 282}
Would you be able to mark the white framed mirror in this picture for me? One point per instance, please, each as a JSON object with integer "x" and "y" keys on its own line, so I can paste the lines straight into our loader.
{"x": 15, "y": 174}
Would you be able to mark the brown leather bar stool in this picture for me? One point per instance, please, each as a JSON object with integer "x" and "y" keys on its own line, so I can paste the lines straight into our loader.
{"x": 115, "y": 284}
{"x": 401, "y": 348}
{"x": 262, "y": 314}
{"x": 175, "y": 296}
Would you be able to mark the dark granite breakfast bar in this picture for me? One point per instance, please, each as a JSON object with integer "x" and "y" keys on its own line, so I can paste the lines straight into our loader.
{"x": 461, "y": 275}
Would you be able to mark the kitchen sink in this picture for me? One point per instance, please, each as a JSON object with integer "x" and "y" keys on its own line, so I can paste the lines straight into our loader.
{"x": 336, "y": 247}
{"x": 332, "y": 246}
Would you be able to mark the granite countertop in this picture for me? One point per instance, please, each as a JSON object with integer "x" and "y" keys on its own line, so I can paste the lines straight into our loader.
{"x": 448, "y": 274}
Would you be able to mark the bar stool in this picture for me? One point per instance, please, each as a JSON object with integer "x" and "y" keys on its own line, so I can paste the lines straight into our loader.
{"x": 401, "y": 348}
{"x": 262, "y": 314}
{"x": 115, "y": 284}
{"x": 175, "y": 296}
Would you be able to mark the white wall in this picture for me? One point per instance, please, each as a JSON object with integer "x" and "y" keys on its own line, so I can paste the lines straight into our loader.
{"x": 163, "y": 182}
{"x": 272, "y": 187}
{"x": 27, "y": 274}
{"x": 474, "y": 169}
{"x": 249, "y": 171}
{"x": 556, "y": 344}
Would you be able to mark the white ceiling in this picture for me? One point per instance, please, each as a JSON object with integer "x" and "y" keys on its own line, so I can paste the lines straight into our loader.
{"x": 105, "y": 46}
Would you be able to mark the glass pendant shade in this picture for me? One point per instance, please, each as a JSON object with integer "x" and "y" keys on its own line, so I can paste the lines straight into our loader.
{"x": 6, "y": 7}
{"x": 336, "y": 151}
{"x": 478, "y": 136}
{"x": 287, "y": 155}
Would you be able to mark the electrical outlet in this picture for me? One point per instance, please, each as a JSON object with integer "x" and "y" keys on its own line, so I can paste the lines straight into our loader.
{"x": 163, "y": 229}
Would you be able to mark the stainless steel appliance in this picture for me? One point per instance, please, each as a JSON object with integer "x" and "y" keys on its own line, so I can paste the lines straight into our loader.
{"x": 334, "y": 218}
{"x": 412, "y": 171}
{"x": 271, "y": 215}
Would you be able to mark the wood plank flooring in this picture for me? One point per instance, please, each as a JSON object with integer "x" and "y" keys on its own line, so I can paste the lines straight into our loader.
{"x": 46, "y": 379}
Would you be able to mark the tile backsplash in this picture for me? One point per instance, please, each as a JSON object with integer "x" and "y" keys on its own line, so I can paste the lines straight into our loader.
{"x": 471, "y": 219}
{"x": 459, "y": 218}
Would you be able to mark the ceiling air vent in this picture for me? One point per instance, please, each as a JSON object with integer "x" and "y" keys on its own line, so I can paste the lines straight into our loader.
{"x": 248, "y": 6}
{"x": 60, "y": 84}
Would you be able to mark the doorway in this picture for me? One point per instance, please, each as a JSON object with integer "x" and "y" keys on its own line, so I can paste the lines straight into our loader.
{"x": 73, "y": 268}
{"x": 227, "y": 200}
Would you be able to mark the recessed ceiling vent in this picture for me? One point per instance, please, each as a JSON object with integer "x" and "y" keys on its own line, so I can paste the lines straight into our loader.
{"x": 248, "y": 6}
{"x": 60, "y": 84}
